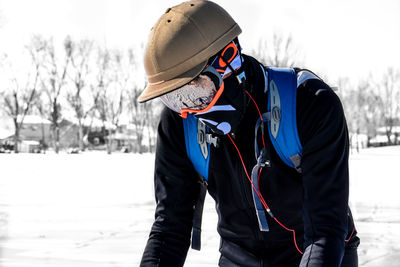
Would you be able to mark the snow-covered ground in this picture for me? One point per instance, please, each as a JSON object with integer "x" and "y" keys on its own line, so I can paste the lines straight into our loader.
{"x": 95, "y": 209}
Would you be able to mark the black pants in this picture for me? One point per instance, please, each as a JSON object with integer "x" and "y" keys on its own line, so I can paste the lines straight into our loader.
{"x": 234, "y": 256}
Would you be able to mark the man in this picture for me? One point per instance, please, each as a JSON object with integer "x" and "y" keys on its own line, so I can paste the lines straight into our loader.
{"x": 278, "y": 215}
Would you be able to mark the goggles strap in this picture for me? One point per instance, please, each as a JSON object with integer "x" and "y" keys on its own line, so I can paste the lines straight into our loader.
{"x": 240, "y": 76}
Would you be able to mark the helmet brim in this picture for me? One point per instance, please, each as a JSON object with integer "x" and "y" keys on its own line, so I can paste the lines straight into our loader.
{"x": 154, "y": 90}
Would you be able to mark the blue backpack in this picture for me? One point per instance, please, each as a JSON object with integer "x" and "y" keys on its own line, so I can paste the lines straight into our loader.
{"x": 281, "y": 87}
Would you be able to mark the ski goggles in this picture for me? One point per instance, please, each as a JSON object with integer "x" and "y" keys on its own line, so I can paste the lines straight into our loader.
{"x": 197, "y": 96}
{"x": 203, "y": 92}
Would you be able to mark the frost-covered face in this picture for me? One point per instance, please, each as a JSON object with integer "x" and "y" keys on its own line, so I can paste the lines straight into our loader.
{"x": 196, "y": 95}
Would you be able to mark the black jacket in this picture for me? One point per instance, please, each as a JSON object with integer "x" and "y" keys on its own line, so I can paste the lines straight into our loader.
{"x": 314, "y": 203}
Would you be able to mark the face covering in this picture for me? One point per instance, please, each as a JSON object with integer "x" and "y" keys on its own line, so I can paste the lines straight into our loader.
{"x": 225, "y": 115}
{"x": 216, "y": 96}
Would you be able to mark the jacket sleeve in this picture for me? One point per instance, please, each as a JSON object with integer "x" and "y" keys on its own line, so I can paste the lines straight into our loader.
{"x": 176, "y": 190}
{"x": 323, "y": 131}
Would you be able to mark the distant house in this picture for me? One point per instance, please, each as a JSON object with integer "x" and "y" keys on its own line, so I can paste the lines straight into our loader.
{"x": 381, "y": 139}
{"x": 32, "y": 137}
{"x": 36, "y": 134}
{"x": 126, "y": 139}
{"x": 35, "y": 128}
{"x": 68, "y": 134}
{"x": 95, "y": 132}
{"x": 40, "y": 130}
{"x": 29, "y": 146}
{"x": 5, "y": 145}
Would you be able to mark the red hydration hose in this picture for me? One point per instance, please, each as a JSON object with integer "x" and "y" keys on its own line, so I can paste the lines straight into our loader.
{"x": 253, "y": 186}
{"x": 262, "y": 199}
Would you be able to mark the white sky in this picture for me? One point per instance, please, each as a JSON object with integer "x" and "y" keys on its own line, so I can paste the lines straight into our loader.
{"x": 338, "y": 38}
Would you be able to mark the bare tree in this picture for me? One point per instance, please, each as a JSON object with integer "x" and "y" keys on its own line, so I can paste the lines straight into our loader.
{"x": 102, "y": 81}
{"x": 18, "y": 98}
{"x": 142, "y": 115}
{"x": 279, "y": 51}
{"x": 39, "y": 107}
{"x": 53, "y": 80}
{"x": 110, "y": 107}
{"x": 372, "y": 111}
{"x": 139, "y": 114}
{"x": 152, "y": 122}
{"x": 363, "y": 107}
{"x": 351, "y": 100}
{"x": 116, "y": 95}
{"x": 390, "y": 93}
{"x": 80, "y": 53}
{"x": 109, "y": 99}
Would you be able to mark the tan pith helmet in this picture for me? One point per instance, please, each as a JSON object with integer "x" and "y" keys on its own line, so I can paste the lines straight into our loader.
{"x": 181, "y": 42}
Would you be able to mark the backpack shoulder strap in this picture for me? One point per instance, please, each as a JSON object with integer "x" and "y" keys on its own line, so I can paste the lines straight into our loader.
{"x": 197, "y": 147}
{"x": 282, "y": 127}
{"x": 198, "y": 151}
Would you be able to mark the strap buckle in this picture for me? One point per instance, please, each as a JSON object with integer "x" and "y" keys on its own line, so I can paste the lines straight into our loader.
{"x": 214, "y": 140}
{"x": 241, "y": 77}
{"x": 263, "y": 160}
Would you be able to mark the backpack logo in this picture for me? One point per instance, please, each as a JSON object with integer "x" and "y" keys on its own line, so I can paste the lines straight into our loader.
{"x": 201, "y": 138}
{"x": 275, "y": 102}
